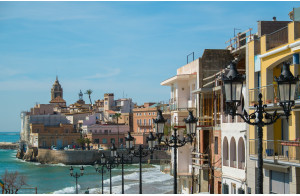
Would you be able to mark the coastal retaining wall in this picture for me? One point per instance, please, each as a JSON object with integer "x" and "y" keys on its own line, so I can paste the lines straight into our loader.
{"x": 9, "y": 145}
{"x": 87, "y": 157}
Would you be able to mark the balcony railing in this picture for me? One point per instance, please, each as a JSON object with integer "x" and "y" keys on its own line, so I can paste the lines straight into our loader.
{"x": 269, "y": 93}
{"x": 144, "y": 125}
{"x": 277, "y": 38}
{"x": 281, "y": 150}
{"x": 200, "y": 159}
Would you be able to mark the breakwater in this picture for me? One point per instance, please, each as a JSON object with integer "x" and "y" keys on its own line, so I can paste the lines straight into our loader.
{"x": 80, "y": 157}
{"x": 9, "y": 145}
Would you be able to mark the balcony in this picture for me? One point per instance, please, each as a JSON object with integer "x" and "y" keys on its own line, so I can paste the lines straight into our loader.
{"x": 144, "y": 125}
{"x": 200, "y": 160}
{"x": 270, "y": 95}
{"x": 277, "y": 38}
{"x": 285, "y": 151}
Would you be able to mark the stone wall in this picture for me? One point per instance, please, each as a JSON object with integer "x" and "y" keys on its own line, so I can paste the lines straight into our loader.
{"x": 81, "y": 157}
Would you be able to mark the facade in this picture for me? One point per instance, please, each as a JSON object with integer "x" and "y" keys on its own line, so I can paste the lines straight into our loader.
{"x": 281, "y": 144}
{"x": 181, "y": 101}
{"x": 42, "y": 136}
{"x": 106, "y": 134}
{"x": 143, "y": 121}
{"x": 207, "y": 156}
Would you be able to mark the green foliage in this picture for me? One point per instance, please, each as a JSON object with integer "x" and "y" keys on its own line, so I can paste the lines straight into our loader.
{"x": 89, "y": 92}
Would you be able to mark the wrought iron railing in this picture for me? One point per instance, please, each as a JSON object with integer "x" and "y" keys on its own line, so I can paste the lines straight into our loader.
{"x": 282, "y": 150}
{"x": 277, "y": 38}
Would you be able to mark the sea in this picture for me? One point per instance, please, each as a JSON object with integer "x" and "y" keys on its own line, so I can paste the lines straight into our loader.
{"x": 56, "y": 179}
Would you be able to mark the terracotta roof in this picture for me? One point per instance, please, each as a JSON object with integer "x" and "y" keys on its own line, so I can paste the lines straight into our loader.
{"x": 110, "y": 111}
{"x": 58, "y": 100}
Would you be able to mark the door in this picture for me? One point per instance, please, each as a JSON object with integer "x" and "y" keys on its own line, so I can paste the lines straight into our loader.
{"x": 279, "y": 182}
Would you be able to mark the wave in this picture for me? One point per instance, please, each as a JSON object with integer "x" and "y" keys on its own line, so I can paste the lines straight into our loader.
{"x": 67, "y": 190}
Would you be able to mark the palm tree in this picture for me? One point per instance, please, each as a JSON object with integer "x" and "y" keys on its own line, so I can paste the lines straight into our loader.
{"x": 88, "y": 141}
{"x": 89, "y": 92}
{"x": 117, "y": 116}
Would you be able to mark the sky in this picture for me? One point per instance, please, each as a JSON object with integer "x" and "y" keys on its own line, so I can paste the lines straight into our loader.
{"x": 125, "y": 48}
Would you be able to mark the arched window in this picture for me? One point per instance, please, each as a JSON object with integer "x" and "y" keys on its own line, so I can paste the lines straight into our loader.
{"x": 232, "y": 152}
{"x": 241, "y": 154}
{"x": 225, "y": 151}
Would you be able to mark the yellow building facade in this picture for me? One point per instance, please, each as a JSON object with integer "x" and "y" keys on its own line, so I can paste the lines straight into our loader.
{"x": 281, "y": 145}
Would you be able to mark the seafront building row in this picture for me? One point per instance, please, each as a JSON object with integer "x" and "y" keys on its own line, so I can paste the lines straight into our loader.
{"x": 223, "y": 157}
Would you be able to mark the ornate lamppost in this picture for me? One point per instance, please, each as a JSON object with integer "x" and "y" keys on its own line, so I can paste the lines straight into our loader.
{"x": 123, "y": 160}
{"x": 140, "y": 152}
{"x": 175, "y": 142}
{"x": 76, "y": 175}
{"x": 97, "y": 163}
{"x": 110, "y": 163}
{"x": 233, "y": 83}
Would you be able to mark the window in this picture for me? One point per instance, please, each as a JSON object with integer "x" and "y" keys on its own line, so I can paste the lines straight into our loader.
{"x": 149, "y": 121}
{"x": 121, "y": 140}
{"x": 216, "y": 145}
{"x": 149, "y": 113}
{"x": 105, "y": 131}
{"x": 153, "y": 113}
{"x": 104, "y": 141}
{"x": 96, "y": 141}
{"x": 66, "y": 131}
{"x": 112, "y": 140}
{"x": 145, "y": 121}
{"x": 137, "y": 121}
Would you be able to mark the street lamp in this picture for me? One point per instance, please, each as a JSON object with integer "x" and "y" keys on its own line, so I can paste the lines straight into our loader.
{"x": 140, "y": 152}
{"x": 123, "y": 160}
{"x": 97, "y": 163}
{"x": 110, "y": 163}
{"x": 175, "y": 142}
{"x": 233, "y": 83}
{"x": 76, "y": 176}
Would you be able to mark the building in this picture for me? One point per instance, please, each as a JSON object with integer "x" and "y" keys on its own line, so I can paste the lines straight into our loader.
{"x": 181, "y": 101}
{"x": 143, "y": 121}
{"x": 281, "y": 145}
{"x": 104, "y": 135}
{"x": 207, "y": 156}
{"x": 57, "y": 94}
{"x": 43, "y": 136}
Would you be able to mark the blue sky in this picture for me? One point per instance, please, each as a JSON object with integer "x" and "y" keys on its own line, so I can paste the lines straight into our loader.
{"x": 113, "y": 47}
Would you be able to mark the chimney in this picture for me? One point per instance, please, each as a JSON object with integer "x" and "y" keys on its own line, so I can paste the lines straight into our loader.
{"x": 274, "y": 18}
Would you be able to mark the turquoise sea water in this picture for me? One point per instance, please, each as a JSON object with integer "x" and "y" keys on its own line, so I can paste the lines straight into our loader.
{"x": 55, "y": 178}
{"x": 9, "y": 136}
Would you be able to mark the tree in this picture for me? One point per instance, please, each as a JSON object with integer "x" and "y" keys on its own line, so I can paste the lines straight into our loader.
{"x": 81, "y": 142}
{"x": 13, "y": 182}
{"x": 89, "y": 92}
{"x": 88, "y": 141}
{"x": 117, "y": 116}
